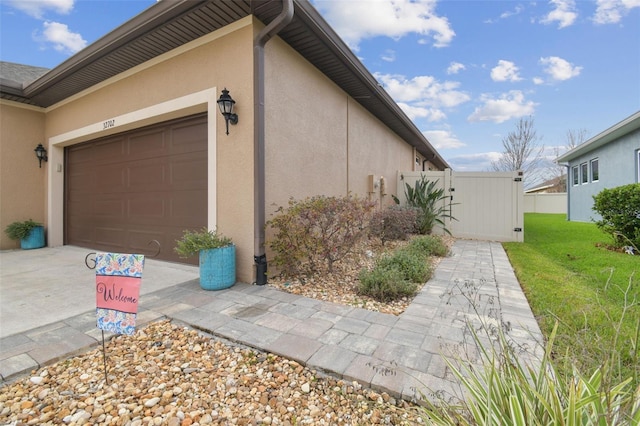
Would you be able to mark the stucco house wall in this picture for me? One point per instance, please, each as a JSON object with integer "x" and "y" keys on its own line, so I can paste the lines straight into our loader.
{"x": 319, "y": 139}
{"x": 616, "y": 151}
{"x": 22, "y": 183}
{"x": 172, "y": 81}
{"x": 331, "y": 148}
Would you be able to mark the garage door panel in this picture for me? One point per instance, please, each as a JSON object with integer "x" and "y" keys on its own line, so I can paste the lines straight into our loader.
{"x": 148, "y": 175}
{"x": 186, "y": 139}
{"x": 126, "y": 190}
{"x": 146, "y": 145}
{"x": 188, "y": 173}
{"x": 84, "y": 235}
{"x": 111, "y": 236}
{"x": 109, "y": 209}
{"x": 112, "y": 151}
{"x": 182, "y": 207}
{"x": 147, "y": 209}
{"x": 109, "y": 179}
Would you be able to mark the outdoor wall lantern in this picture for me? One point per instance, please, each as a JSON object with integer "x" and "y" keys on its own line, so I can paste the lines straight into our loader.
{"x": 41, "y": 153}
{"x": 225, "y": 103}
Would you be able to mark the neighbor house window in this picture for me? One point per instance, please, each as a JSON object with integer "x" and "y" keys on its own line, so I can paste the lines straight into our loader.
{"x": 418, "y": 164}
{"x": 638, "y": 158}
{"x": 594, "y": 171}
{"x": 575, "y": 175}
{"x": 584, "y": 173}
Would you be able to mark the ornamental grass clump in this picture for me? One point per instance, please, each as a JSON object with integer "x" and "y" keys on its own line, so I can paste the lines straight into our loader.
{"x": 509, "y": 386}
{"x": 401, "y": 273}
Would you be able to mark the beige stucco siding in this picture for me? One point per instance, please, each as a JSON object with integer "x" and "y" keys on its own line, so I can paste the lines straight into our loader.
{"x": 319, "y": 141}
{"x": 180, "y": 83}
{"x": 22, "y": 183}
{"x": 375, "y": 150}
{"x": 306, "y": 129}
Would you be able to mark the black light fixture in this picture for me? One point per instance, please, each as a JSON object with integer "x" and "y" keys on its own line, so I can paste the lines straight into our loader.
{"x": 226, "y": 103}
{"x": 41, "y": 153}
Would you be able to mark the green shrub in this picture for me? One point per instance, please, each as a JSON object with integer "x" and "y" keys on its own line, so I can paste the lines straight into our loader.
{"x": 393, "y": 223}
{"x": 431, "y": 245}
{"x": 396, "y": 275}
{"x": 192, "y": 242}
{"x": 620, "y": 211}
{"x": 430, "y": 202}
{"x": 412, "y": 264}
{"x": 20, "y": 230}
{"x": 317, "y": 231}
{"x": 385, "y": 284}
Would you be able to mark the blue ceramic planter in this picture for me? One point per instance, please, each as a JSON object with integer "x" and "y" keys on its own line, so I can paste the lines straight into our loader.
{"x": 34, "y": 240}
{"x": 218, "y": 268}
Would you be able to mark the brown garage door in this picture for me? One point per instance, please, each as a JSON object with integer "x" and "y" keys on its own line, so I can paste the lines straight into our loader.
{"x": 125, "y": 191}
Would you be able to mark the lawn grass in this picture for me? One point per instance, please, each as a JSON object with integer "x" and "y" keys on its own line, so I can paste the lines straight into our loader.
{"x": 593, "y": 293}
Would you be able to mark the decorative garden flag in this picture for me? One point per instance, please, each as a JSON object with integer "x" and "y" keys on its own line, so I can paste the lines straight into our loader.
{"x": 118, "y": 278}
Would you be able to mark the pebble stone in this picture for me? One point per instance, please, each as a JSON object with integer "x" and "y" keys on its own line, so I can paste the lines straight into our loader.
{"x": 168, "y": 374}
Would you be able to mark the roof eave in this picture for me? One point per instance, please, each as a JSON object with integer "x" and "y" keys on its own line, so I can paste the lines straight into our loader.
{"x": 421, "y": 143}
{"x": 614, "y": 132}
{"x": 141, "y": 23}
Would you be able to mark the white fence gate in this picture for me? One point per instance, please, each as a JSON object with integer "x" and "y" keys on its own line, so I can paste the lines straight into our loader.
{"x": 487, "y": 205}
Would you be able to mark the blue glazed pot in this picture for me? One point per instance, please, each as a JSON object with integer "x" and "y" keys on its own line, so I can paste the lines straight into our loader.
{"x": 34, "y": 240}
{"x": 218, "y": 268}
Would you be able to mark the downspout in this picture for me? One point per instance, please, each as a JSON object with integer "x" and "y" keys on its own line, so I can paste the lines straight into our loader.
{"x": 568, "y": 188}
{"x": 274, "y": 27}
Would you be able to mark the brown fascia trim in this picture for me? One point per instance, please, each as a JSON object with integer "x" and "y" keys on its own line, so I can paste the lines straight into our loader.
{"x": 150, "y": 18}
{"x": 336, "y": 44}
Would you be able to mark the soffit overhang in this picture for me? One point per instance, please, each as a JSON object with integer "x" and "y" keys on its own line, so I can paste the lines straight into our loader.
{"x": 169, "y": 24}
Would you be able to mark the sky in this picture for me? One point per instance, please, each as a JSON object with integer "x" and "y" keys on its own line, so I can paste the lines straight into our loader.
{"x": 465, "y": 71}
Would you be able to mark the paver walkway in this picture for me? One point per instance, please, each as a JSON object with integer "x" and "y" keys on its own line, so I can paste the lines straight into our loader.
{"x": 396, "y": 354}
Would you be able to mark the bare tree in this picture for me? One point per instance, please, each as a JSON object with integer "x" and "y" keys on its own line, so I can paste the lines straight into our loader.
{"x": 574, "y": 138}
{"x": 522, "y": 151}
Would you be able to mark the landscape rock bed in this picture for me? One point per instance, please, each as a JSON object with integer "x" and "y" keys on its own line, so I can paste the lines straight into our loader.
{"x": 341, "y": 285}
{"x": 167, "y": 374}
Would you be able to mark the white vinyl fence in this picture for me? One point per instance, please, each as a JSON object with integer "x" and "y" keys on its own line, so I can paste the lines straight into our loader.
{"x": 487, "y": 205}
{"x": 545, "y": 203}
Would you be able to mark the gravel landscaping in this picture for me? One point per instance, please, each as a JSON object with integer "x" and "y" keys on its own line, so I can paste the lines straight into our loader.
{"x": 168, "y": 374}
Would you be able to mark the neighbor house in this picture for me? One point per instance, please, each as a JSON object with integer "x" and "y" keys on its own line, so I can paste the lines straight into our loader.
{"x": 138, "y": 150}
{"x": 608, "y": 160}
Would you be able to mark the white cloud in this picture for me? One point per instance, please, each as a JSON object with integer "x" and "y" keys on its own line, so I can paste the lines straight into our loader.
{"x": 413, "y": 112}
{"x": 507, "y": 106}
{"x": 358, "y": 20}
{"x": 62, "y": 39}
{"x": 455, "y": 68}
{"x": 389, "y": 55}
{"x": 612, "y": 11}
{"x": 479, "y": 162}
{"x": 423, "y": 90}
{"x": 504, "y": 15}
{"x": 37, "y": 8}
{"x": 538, "y": 80}
{"x": 443, "y": 139}
{"x": 505, "y": 71}
{"x": 564, "y": 13}
{"x": 559, "y": 69}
